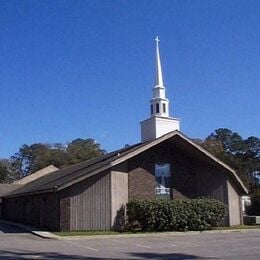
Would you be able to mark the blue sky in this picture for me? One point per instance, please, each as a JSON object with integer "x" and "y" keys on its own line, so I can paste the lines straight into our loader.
{"x": 86, "y": 69}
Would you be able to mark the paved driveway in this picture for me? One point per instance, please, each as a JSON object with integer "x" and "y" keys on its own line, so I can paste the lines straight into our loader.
{"x": 16, "y": 244}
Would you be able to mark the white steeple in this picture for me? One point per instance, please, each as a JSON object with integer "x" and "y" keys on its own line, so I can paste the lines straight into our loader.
{"x": 159, "y": 103}
{"x": 159, "y": 77}
{"x": 159, "y": 123}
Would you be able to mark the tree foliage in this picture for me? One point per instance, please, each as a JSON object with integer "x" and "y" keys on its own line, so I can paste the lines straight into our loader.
{"x": 31, "y": 158}
{"x": 3, "y": 171}
{"x": 254, "y": 208}
{"x": 80, "y": 150}
{"x": 232, "y": 142}
{"x": 241, "y": 154}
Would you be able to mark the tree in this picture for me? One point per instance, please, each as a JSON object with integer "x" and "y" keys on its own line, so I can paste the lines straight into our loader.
{"x": 3, "y": 171}
{"x": 80, "y": 150}
{"x": 215, "y": 147}
{"x": 232, "y": 142}
{"x": 252, "y": 157}
{"x": 242, "y": 155}
{"x": 253, "y": 146}
{"x": 32, "y": 158}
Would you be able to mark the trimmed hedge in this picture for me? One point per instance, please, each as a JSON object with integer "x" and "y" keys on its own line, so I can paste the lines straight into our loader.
{"x": 175, "y": 215}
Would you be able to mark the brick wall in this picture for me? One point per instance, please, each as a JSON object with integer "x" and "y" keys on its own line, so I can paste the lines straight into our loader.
{"x": 141, "y": 181}
{"x": 191, "y": 177}
{"x": 142, "y": 178}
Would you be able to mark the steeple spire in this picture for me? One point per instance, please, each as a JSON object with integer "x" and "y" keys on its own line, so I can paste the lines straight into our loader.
{"x": 159, "y": 77}
{"x": 159, "y": 102}
{"x": 160, "y": 122}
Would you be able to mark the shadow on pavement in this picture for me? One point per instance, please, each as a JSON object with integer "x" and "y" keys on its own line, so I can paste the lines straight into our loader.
{"x": 172, "y": 256}
{"x": 5, "y": 228}
{"x": 5, "y": 254}
{"x": 23, "y": 254}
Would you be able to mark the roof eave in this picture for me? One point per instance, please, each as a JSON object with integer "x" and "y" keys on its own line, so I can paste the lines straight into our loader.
{"x": 29, "y": 193}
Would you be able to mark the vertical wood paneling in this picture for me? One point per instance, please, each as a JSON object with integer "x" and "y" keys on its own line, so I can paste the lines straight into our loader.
{"x": 119, "y": 192}
{"x": 91, "y": 203}
{"x": 233, "y": 205}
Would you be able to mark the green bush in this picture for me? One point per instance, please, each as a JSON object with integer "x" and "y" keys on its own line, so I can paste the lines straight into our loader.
{"x": 174, "y": 215}
{"x": 254, "y": 208}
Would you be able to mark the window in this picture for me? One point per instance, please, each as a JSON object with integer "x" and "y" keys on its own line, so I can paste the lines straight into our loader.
{"x": 164, "y": 108}
{"x": 163, "y": 180}
{"x": 151, "y": 109}
{"x": 157, "y": 108}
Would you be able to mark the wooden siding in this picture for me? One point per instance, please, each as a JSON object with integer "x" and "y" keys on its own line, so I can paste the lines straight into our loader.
{"x": 119, "y": 191}
{"x": 90, "y": 207}
{"x": 212, "y": 184}
{"x": 39, "y": 210}
{"x": 233, "y": 206}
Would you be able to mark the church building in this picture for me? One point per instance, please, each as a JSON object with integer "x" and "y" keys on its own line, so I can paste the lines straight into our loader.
{"x": 165, "y": 164}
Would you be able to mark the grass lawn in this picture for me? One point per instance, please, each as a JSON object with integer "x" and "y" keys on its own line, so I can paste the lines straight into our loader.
{"x": 238, "y": 227}
{"x": 87, "y": 233}
{"x": 94, "y": 233}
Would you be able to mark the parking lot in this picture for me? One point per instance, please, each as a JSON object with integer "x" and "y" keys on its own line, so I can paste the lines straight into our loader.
{"x": 17, "y": 244}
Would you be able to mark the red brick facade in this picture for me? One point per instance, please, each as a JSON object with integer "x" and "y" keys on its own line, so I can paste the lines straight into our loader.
{"x": 191, "y": 177}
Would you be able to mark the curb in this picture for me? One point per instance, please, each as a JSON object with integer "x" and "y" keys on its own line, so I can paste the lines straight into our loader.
{"x": 164, "y": 234}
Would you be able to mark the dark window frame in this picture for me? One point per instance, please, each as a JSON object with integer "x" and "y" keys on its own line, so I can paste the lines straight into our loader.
{"x": 164, "y": 108}
{"x": 157, "y": 108}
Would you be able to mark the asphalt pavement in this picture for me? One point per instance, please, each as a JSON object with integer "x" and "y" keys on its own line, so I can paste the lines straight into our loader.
{"x": 15, "y": 243}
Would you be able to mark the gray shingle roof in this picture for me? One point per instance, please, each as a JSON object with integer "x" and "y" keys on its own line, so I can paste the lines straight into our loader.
{"x": 55, "y": 180}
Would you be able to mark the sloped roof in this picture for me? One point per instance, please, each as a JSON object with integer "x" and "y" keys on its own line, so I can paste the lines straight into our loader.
{"x": 6, "y": 188}
{"x": 63, "y": 178}
{"x": 36, "y": 175}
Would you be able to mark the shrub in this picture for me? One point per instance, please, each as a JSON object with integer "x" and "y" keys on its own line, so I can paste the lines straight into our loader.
{"x": 254, "y": 208}
{"x": 175, "y": 215}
